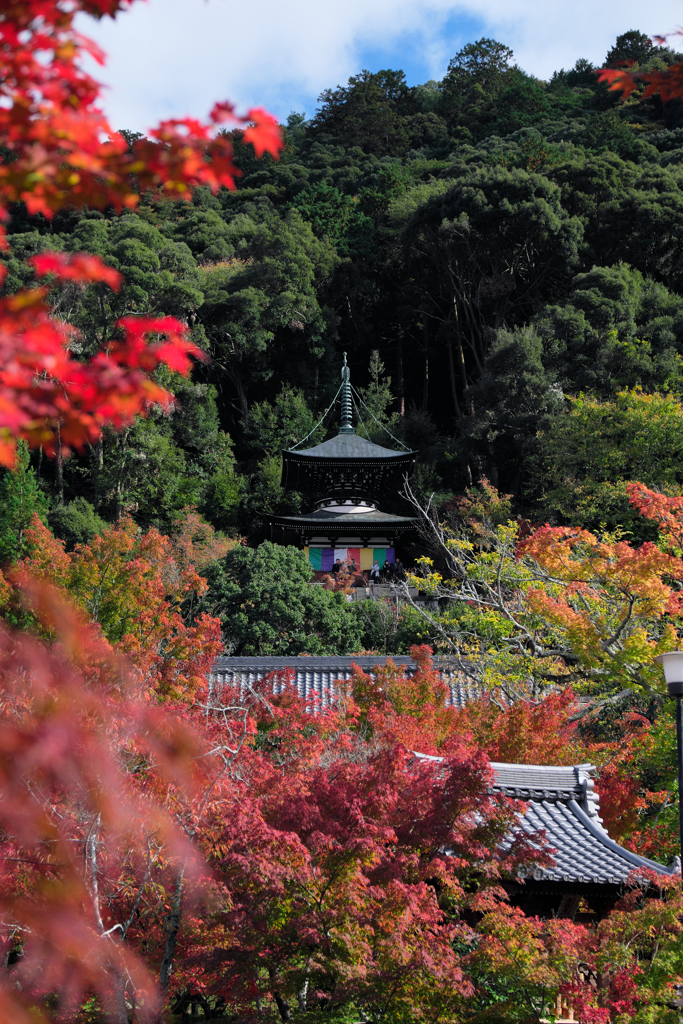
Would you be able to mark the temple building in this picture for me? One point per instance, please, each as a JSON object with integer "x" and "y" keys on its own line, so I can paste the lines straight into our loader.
{"x": 589, "y": 870}
{"x": 346, "y": 478}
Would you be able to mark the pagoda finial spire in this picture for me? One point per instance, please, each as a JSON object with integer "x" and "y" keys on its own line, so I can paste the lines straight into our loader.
{"x": 346, "y": 404}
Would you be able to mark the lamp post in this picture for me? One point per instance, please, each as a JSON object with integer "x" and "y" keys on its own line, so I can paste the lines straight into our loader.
{"x": 672, "y": 664}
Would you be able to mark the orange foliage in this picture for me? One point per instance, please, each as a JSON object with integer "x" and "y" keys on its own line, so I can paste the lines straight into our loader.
{"x": 133, "y": 584}
{"x": 412, "y": 710}
{"x": 339, "y": 582}
{"x": 196, "y": 543}
{"x": 581, "y": 562}
{"x": 526, "y": 731}
{"x": 666, "y": 511}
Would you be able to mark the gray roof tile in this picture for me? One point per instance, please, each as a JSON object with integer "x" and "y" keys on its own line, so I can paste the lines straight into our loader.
{"x": 316, "y": 676}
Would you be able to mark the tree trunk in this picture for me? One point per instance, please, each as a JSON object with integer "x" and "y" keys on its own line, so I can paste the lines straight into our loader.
{"x": 97, "y": 461}
{"x": 425, "y": 384}
{"x": 259, "y": 1001}
{"x": 119, "y": 1014}
{"x": 172, "y": 929}
{"x": 400, "y": 383}
{"x": 451, "y": 368}
{"x": 283, "y": 1007}
{"x": 425, "y": 389}
{"x": 121, "y": 459}
{"x": 302, "y": 993}
{"x": 236, "y": 378}
{"x": 280, "y": 1001}
{"x": 59, "y": 467}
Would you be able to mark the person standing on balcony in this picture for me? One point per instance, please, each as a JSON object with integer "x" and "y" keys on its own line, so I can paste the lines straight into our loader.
{"x": 374, "y": 576}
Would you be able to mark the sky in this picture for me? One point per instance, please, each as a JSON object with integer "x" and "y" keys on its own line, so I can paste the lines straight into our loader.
{"x": 175, "y": 58}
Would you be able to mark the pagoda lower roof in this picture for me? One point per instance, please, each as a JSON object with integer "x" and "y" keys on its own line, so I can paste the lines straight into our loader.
{"x": 345, "y": 522}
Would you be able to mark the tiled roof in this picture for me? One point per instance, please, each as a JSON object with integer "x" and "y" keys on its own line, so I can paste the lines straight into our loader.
{"x": 348, "y": 446}
{"x": 348, "y": 519}
{"x": 562, "y": 802}
{"x": 316, "y": 677}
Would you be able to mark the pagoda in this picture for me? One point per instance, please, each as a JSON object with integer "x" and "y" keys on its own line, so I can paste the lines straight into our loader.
{"x": 347, "y": 476}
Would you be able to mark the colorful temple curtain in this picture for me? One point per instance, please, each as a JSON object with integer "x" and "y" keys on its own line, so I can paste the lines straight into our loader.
{"x": 322, "y": 559}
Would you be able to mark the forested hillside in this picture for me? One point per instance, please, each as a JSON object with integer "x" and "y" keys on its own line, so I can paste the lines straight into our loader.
{"x": 501, "y": 257}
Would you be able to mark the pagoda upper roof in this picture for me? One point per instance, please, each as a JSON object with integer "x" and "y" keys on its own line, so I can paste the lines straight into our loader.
{"x": 346, "y": 464}
{"x": 348, "y": 446}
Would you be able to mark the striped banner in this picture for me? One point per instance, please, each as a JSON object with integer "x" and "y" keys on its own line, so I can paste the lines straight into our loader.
{"x": 322, "y": 559}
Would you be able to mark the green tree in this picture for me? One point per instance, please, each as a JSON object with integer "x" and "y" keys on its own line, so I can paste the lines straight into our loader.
{"x": 20, "y": 499}
{"x": 617, "y": 329}
{"x": 368, "y": 112}
{"x": 630, "y": 213}
{"x": 634, "y": 46}
{"x": 160, "y": 276}
{"x": 378, "y": 398}
{"x": 265, "y": 302}
{"x": 483, "y": 65}
{"x": 582, "y": 75}
{"x": 515, "y": 396}
{"x": 483, "y": 255}
{"x": 76, "y": 522}
{"x": 144, "y": 473}
{"x": 586, "y": 457}
{"x": 222, "y": 501}
{"x": 283, "y": 423}
{"x": 472, "y": 86}
{"x": 267, "y": 605}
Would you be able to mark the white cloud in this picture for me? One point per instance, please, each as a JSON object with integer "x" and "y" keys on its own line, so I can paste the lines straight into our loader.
{"x": 176, "y": 57}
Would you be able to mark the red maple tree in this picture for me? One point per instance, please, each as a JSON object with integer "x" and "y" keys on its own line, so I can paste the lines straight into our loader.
{"x": 60, "y": 151}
